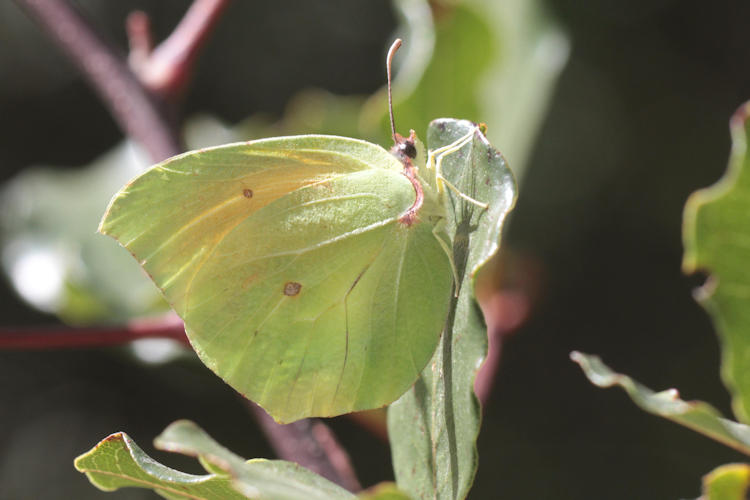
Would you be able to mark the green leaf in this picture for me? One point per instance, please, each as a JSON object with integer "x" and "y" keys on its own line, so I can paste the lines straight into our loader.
{"x": 433, "y": 427}
{"x": 696, "y": 415}
{"x": 117, "y": 462}
{"x": 716, "y": 233}
{"x": 728, "y": 482}
{"x": 383, "y": 491}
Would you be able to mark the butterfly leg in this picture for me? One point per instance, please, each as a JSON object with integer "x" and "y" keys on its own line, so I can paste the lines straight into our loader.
{"x": 435, "y": 159}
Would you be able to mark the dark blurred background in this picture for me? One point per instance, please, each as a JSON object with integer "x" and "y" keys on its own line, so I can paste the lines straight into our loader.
{"x": 638, "y": 120}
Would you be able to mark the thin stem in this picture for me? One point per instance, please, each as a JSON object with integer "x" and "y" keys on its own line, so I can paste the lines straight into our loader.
{"x": 310, "y": 443}
{"x": 133, "y": 108}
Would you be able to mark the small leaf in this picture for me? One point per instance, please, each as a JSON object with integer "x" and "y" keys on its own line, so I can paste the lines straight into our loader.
{"x": 383, "y": 491}
{"x": 728, "y": 482}
{"x": 716, "y": 233}
{"x": 433, "y": 427}
{"x": 696, "y": 415}
{"x": 117, "y": 462}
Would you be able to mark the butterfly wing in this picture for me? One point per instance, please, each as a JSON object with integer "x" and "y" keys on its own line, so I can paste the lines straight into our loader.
{"x": 297, "y": 283}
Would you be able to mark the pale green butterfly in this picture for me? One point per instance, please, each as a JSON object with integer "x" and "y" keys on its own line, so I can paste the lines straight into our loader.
{"x": 313, "y": 273}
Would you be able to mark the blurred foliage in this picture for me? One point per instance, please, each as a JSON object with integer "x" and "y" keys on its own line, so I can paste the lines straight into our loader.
{"x": 491, "y": 62}
{"x": 54, "y": 258}
{"x": 728, "y": 482}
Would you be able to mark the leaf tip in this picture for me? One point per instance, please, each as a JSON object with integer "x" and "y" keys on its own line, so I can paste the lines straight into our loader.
{"x": 80, "y": 461}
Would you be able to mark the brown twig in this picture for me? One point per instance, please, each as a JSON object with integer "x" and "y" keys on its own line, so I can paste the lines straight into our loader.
{"x": 132, "y": 106}
{"x": 167, "y": 69}
{"x": 311, "y": 444}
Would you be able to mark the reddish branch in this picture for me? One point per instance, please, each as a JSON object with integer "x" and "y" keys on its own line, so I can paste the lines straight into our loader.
{"x": 58, "y": 337}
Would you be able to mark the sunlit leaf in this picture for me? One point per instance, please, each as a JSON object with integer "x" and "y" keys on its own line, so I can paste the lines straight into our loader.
{"x": 717, "y": 240}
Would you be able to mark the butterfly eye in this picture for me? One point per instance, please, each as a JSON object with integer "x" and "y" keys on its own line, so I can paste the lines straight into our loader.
{"x": 407, "y": 147}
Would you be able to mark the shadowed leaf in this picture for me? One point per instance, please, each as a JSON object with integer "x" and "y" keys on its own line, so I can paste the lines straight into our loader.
{"x": 433, "y": 427}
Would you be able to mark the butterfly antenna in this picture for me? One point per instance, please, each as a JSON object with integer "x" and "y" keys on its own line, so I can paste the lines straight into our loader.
{"x": 391, "y": 52}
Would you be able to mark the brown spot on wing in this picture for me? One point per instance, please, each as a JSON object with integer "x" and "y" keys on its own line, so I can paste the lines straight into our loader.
{"x": 247, "y": 193}
{"x": 292, "y": 288}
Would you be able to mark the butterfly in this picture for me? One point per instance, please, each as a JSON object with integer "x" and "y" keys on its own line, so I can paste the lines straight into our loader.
{"x": 313, "y": 273}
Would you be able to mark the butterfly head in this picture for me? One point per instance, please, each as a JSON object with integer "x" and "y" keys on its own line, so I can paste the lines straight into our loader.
{"x": 404, "y": 147}
{"x": 408, "y": 149}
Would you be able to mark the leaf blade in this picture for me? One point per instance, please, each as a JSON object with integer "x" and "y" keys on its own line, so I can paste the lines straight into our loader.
{"x": 727, "y": 482}
{"x": 715, "y": 238}
{"x": 696, "y": 415}
{"x": 433, "y": 456}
